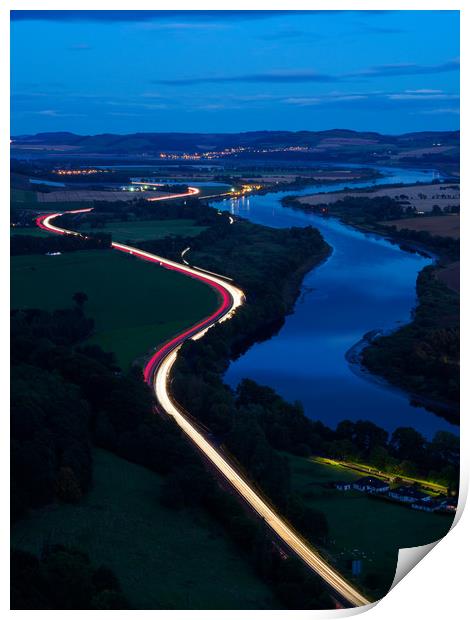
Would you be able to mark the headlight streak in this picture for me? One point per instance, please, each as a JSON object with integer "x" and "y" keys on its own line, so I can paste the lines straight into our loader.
{"x": 157, "y": 372}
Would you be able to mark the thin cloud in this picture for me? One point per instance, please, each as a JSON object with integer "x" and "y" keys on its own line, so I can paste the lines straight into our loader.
{"x": 424, "y": 91}
{"x": 407, "y": 69}
{"x": 80, "y": 47}
{"x": 441, "y": 111}
{"x": 421, "y": 96}
{"x": 144, "y": 16}
{"x": 287, "y": 35}
{"x": 184, "y": 26}
{"x": 55, "y": 114}
{"x": 280, "y": 77}
{"x": 287, "y": 77}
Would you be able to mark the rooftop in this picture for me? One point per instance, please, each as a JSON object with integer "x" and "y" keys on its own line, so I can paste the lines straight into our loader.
{"x": 371, "y": 481}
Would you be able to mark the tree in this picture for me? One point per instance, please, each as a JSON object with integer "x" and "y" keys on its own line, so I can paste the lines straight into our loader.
{"x": 446, "y": 447}
{"x": 80, "y": 298}
{"x": 62, "y": 578}
{"x": 68, "y": 488}
{"x": 408, "y": 445}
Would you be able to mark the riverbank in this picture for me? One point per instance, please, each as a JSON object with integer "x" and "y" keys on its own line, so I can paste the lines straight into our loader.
{"x": 355, "y": 358}
{"x": 421, "y": 357}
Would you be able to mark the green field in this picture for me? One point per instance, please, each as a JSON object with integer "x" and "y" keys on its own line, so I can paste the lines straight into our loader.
{"x": 148, "y": 229}
{"x": 135, "y": 305}
{"x": 361, "y": 527}
{"x": 30, "y": 232}
{"x": 164, "y": 559}
{"x": 22, "y": 195}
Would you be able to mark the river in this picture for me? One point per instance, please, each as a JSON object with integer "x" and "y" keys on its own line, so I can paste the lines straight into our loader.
{"x": 366, "y": 284}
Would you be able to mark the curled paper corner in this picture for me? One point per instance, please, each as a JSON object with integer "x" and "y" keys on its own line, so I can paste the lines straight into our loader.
{"x": 409, "y": 557}
{"x": 346, "y": 612}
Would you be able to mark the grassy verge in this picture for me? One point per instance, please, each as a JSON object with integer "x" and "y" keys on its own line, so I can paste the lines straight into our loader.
{"x": 361, "y": 527}
{"x": 135, "y": 305}
{"x": 164, "y": 559}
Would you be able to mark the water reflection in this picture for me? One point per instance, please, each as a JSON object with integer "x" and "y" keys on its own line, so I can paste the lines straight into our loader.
{"x": 366, "y": 284}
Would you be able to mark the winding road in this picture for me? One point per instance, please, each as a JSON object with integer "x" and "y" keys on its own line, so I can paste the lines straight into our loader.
{"x": 157, "y": 373}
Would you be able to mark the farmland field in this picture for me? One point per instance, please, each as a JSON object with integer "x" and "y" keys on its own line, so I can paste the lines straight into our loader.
{"x": 135, "y": 305}
{"x": 86, "y": 195}
{"x": 30, "y": 232}
{"x": 164, "y": 559}
{"x": 22, "y": 195}
{"x": 148, "y": 229}
{"x": 450, "y": 275}
{"x": 361, "y": 527}
{"x": 422, "y": 197}
{"x": 440, "y": 225}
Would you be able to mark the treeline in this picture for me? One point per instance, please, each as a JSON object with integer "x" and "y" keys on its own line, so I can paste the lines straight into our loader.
{"x": 239, "y": 425}
{"x": 262, "y": 260}
{"x": 447, "y": 247}
{"x": 404, "y": 452}
{"x": 423, "y": 356}
{"x": 267, "y": 263}
{"x": 50, "y": 452}
{"x": 62, "y": 578}
{"x": 255, "y": 424}
{"x": 67, "y": 396}
{"x": 141, "y": 210}
{"x": 29, "y": 244}
{"x": 353, "y": 209}
{"x": 372, "y": 212}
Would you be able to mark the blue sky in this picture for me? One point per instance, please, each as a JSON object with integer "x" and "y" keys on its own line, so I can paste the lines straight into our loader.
{"x": 225, "y": 71}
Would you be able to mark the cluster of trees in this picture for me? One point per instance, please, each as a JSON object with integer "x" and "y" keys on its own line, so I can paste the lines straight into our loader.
{"x": 68, "y": 396}
{"x": 261, "y": 260}
{"x": 142, "y": 210}
{"x": 293, "y": 584}
{"x": 356, "y": 210}
{"x": 423, "y": 356}
{"x": 50, "y": 451}
{"x": 62, "y": 578}
{"x": 268, "y": 264}
{"x": 64, "y": 397}
{"x": 371, "y": 212}
{"x": 446, "y": 247}
{"x": 30, "y": 244}
{"x": 256, "y": 424}
{"x": 404, "y": 452}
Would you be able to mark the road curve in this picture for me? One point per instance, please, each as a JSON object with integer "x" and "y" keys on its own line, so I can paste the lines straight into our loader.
{"x": 157, "y": 373}
{"x": 192, "y": 191}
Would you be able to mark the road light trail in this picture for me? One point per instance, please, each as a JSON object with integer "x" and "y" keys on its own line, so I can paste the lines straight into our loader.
{"x": 157, "y": 373}
{"x": 183, "y": 253}
{"x": 192, "y": 191}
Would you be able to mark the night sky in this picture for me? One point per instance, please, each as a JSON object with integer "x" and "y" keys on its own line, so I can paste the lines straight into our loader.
{"x": 126, "y": 71}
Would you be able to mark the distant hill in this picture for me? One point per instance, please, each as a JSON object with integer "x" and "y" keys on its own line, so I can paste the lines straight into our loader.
{"x": 434, "y": 148}
{"x": 190, "y": 142}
